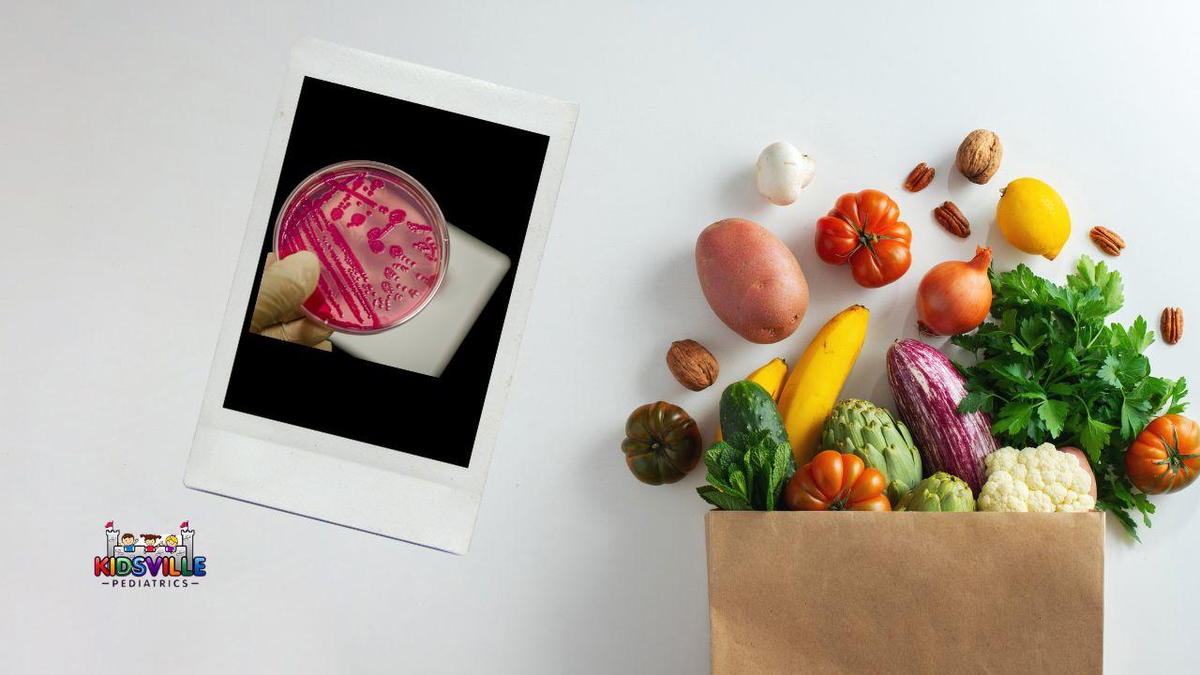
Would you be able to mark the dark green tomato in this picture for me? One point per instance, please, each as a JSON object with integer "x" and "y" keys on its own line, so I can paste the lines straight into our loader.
{"x": 662, "y": 443}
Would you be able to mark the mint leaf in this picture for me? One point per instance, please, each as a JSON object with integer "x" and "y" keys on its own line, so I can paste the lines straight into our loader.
{"x": 747, "y": 472}
{"x": 782, "y": 468}
{"x": 738, "y": 482}
{"x": 721, "y": 500}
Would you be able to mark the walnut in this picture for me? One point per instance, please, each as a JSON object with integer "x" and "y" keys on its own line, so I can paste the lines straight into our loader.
{"x": 979, "y": 156}
{"x": 694, "y": 366}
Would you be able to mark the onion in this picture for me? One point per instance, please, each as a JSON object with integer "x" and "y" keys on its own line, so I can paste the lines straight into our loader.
{"x": 955, "y": 297}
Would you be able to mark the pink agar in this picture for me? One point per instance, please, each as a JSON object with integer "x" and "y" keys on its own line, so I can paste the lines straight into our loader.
{"x": 381, "y": 240}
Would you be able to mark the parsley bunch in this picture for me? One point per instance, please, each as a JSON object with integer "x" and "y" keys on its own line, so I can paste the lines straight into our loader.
{"x": 1049, "y": 369}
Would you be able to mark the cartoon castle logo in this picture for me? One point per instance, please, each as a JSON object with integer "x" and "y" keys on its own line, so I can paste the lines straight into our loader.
{"x": 157, "y": 560}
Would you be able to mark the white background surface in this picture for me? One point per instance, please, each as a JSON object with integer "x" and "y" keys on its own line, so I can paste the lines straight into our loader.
{"x": 131, "y": 135}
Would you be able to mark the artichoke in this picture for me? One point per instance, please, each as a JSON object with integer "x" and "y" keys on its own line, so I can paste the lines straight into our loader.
{"x": 864, "y": 429}
{"x": 939, "y": 492}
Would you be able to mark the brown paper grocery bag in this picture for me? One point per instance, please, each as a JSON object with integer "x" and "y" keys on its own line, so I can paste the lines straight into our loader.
{"x": 849, "y": 592}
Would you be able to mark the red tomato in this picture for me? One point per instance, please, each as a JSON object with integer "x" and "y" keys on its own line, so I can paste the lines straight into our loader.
{"x": 1165, "y": 457}
{"x": 833, "y": 481}
{"x": 862, "y": 229}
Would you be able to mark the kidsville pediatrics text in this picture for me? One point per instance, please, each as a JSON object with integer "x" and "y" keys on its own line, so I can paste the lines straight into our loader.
{"x": 157, "y": 562}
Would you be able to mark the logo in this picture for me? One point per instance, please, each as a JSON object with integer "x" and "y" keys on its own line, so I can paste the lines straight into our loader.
{"x": 149, "y": 559}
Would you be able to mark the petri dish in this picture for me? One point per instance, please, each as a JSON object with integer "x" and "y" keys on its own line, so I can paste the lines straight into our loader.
{"x": 380, "y": 237}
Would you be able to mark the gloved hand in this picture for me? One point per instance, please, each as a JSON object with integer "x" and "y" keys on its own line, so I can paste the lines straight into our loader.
{"x": 286, "y": 284}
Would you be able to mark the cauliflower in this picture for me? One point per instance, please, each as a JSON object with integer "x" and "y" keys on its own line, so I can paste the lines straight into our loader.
{"x": 1035, "y": 479}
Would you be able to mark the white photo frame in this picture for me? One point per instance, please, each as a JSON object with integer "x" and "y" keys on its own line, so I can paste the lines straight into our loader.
{"x": 329, "y": 477}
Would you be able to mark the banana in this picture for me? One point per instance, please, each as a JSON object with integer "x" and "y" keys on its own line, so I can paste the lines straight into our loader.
{"x": 769, "y": 377}
{"x": 812, "y": 389}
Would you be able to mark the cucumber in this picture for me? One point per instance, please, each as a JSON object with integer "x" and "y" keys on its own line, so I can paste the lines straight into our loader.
{"x": 747, "y": 407}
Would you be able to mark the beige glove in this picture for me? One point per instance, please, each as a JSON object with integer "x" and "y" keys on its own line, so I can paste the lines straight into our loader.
{"x": 286, "y": 284}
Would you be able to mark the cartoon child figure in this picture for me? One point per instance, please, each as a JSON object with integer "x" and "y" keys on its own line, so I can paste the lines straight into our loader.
{"x": 127, "y": 541}
{"x": 170, "y": 543}
{"x": 150, "y": 540}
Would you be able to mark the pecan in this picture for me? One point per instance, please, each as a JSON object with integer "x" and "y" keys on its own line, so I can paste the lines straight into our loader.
{"x": 1107, "y": 240}
{"x": 919, "y": 178}
{"x": 1172, "y": 325}
{"x": 949, "y": 217}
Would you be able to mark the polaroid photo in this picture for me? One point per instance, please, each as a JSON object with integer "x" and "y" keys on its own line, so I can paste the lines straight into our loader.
{"x": 378, "y": 304}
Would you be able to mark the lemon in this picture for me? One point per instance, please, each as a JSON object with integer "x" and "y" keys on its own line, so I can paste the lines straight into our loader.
{"x": 1033, "y": 217}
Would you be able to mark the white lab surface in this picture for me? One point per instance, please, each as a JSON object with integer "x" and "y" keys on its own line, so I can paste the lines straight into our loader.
{"x": 426, "y": 343}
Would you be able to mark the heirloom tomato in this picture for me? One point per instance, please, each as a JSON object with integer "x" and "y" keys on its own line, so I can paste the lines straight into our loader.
{"x": 835, "y": 481}
{"x": 1165, "y": 457}
{"x": 863, "y": 230}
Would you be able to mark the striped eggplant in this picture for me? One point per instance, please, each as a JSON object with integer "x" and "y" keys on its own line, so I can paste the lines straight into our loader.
{"x": 928, "y": 390}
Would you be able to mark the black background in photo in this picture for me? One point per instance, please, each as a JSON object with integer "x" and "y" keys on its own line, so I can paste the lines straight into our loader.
{"x": 484, "y": 176}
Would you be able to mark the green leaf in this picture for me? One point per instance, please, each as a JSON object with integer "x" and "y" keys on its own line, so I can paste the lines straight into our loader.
{"x": 719, "y": 457}
{"x": 782, "y": 468}
{"x": 1119, "y": 489}
{"x": 1142, "y": 502}
{"x": 1108, "y": 372}
{"x": 1135, "y": 415}
{"x": 1123, "y": 517}
{"x": 1134, "y": 368}
{"x": 747, "y": 472}
{"x": 1020, "y": 348}
{"x": 1094, "y": 436}
{"x": 1136, "y": 338}
{"x": 1014, "y": 417}
{"x": 1061, "y": 389}
{"x": 738, "y": 482}
{"x": 1091, "y": 275}
{"x": 1053, "y": 413}
{"x": 975, "y": 401}
{"x": 721, "y": 500}
{"x": 1178, "y": 392}
{"x": 1034, "y": 330}
{"x": 1015, "y": 373}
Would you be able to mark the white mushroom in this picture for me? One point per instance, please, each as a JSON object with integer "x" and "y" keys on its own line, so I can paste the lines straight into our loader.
{"x": 782, "y": 172}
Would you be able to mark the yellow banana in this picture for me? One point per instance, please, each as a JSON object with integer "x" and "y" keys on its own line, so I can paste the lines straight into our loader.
{"x": 816, "y": 380}
{"x": 769, "y": 377}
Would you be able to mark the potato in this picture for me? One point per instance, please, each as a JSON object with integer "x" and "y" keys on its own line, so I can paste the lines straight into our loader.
{"x": 751, "y": 280}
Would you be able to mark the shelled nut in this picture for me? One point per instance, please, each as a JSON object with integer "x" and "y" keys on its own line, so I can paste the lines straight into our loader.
{"x": 1172, "y": 325}
{"x": 919, "y": 178}
{"x": 949, "y": 217}
{"x": 1107, "y": 240}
